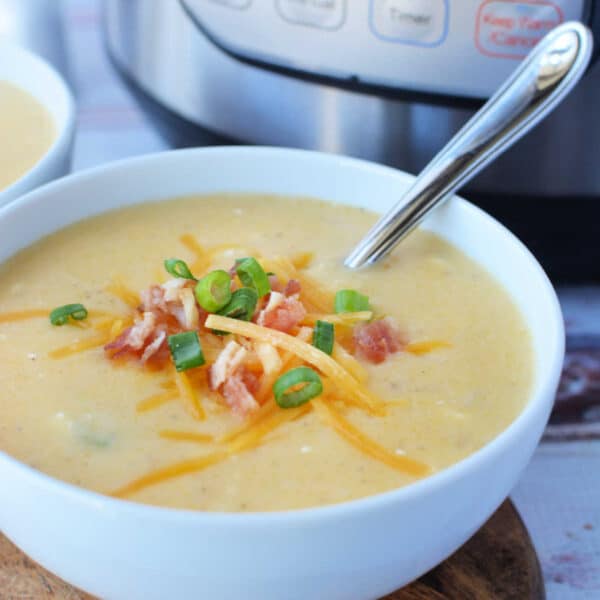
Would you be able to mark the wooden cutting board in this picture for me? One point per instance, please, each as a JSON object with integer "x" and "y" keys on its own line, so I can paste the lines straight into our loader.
{"x": 497, "y": 563}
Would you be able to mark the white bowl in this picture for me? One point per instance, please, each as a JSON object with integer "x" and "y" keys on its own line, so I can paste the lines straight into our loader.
{"x": 32, "y": 74}
{"x": 355, "y": 550}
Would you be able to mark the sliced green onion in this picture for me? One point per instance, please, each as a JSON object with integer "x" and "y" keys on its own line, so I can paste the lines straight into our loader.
{"x": 60, "y": 315}
{"x": 186, "y": 351}
{"x": 213, "y": 291}
{"x": 178, "y": 268}
{"x": 350, "y": 301}
{"x": 301, "y": 375}
{"x": 242, "y": 304}
{"x": 252, "y": 275}
{"x": 323, "y": 336}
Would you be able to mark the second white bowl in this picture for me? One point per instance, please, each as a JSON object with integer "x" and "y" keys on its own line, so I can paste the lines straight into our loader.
{"x": 36, "y": 77}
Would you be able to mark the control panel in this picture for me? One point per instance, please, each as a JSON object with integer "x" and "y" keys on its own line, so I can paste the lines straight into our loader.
{"x": 457, "y": 47}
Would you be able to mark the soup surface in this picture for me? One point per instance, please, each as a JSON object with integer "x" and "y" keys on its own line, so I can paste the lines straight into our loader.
{"x": 29, "y": 128}
{"x": 462, "y": 375}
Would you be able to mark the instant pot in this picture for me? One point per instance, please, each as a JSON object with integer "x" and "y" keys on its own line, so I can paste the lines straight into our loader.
{"x": 386, "y": 80}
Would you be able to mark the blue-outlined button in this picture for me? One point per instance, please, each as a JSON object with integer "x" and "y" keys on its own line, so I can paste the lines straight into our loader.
{"x": 413, "y": 22}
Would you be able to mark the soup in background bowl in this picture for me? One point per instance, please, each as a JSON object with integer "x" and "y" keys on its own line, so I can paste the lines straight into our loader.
{"x": 466, "y": 393}
{"x": 36, "y": 122}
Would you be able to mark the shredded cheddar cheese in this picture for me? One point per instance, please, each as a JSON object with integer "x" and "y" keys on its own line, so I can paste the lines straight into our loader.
{"x": 189, "y": 396}
{"x": 80, "y": 346}
{"x": 185, "y": 436}
{"x": 315, "y": 294}
{"x": 265, "y": 411}
{"x": 105, "y": 325}
{"x": 287, "y": 360}
{"x": 366, "y": 445}
{"x": 179, "y": 469}
{"x": 116, "y": 328}
{"x": 270, "y": 353}
{"x": 346, "y": 382}
{"x": 156, "y": 400}
{"x": 302, "y": 259}
{"x": 282, "y": 267}
{"x": 192, "y": 244}
{"x": 120, "y": 290}
{"x": 20, "y": 315}
{"x": 253, "y": 436}
{"x": 425, "y": 347}
{"x": 342, "y": 356}
{"x": 202, "y": 260}
{"x": 251, "y": 440}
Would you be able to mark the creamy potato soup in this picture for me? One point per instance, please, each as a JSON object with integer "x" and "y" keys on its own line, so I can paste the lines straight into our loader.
{"x": 27, "y": 132}
{"x": 329, "y": 385}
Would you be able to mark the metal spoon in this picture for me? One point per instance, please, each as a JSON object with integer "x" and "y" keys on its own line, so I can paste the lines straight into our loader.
{"x": 544, "y": 78}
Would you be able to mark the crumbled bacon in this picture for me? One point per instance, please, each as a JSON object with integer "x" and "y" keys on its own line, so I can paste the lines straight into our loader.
{"x": 375, "y": 341}
{"x": 160, "y": 357}
{"x": 134, "y": 337}
{"x": 275, "y": 283}
{"x": 165, "y": 309}
{"x": 141, "y": 330}
{"x": 268, "y": 356}
{"x": 153, "y": 299}
{"x": 119, "y": 345}
{"x": 273, "y": 301}
{"x": 172, "y": 288}
{"x": 250, "y": 380}
{"x": 154, "y": 346}
{"x": 174, "y": 298}
{"x": 228, "y": 361}
{"x": 236, "y": 384}
{"x": 238, "y": 397}
{"x": 281, "y": 312}
{"x": 191, "y": 315}
{"x": 292, "y": 287}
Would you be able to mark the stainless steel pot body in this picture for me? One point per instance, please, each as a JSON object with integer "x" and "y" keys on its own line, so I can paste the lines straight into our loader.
{"x": 161, "y": 48}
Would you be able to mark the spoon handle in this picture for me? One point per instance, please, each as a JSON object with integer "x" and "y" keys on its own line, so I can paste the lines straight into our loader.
{"x": 542, "y": 80}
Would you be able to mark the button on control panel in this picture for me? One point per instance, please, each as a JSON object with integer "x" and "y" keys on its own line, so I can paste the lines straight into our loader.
{"x": 509, "y": 29}
{"x": 323, "y": 14}
{"x": 454, "y": 47}
{"x": 416, "y": 22}
{"x": 233, "y": 3}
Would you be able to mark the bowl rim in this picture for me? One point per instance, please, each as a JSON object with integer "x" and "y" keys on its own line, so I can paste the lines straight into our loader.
{"x": 65, "y": 130}
{"x": 428, "y": 485}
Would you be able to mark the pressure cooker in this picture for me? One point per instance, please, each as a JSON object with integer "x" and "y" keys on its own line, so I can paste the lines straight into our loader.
{"x": 386, "y": 80}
